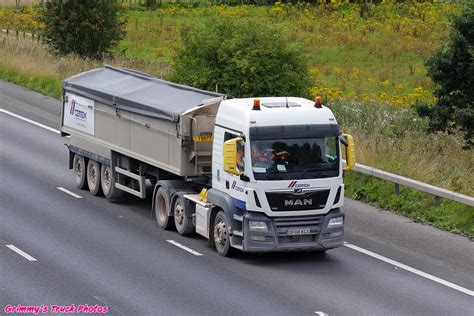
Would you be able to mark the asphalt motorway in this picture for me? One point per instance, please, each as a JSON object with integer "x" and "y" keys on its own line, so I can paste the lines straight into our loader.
{"x": 87, "y": 250}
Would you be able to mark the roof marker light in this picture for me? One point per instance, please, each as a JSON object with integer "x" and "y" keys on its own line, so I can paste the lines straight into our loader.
{"x": 256, "y": 105}
{"x": 317, "y": 102}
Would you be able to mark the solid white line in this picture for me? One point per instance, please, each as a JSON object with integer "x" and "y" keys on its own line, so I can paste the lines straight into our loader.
{"x": 410, "y": 269}
{"x": 21, "y": 253}
{"x": 30, "y": 121}
{"x": 321, "y": 313}
{"x": 177, "y": 244}
{"x": 69, "y": 192}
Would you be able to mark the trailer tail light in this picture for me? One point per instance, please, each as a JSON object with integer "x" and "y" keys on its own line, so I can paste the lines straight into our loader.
{"x": 317, "y": 102}
{"x": 256, "y": 105}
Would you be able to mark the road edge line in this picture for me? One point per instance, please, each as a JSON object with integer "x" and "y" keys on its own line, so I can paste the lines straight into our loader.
{"x": 410, "y": 269}
{"x": 30, "y": 121}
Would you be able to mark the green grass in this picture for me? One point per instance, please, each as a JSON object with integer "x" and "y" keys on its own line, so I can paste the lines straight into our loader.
{"x": 419, "y": 206}
{"x": 376, "y": 59}
{"x": 41, "y": 83}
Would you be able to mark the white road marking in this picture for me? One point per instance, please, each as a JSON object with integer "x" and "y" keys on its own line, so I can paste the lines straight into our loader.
{"x": 410, "y": 269}
{"x": 69, "y": 192}
{"x": 177, "y": 244}
{"x": 21, "y": 253}
{"x": 321, "y": 313}
{"x": 30, "y": 121}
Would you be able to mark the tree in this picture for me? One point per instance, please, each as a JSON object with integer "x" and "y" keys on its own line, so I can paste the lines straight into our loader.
{"x": 242, "y": 57}
{"x": 452, "y": 70}
{"x": 87, "y": 28}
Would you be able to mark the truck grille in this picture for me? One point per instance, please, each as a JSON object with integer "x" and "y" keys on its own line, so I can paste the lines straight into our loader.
{"x": 290, "y": 201}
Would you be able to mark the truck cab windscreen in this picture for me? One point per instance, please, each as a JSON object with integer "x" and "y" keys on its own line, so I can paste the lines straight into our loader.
{"x": 295, "y": 158}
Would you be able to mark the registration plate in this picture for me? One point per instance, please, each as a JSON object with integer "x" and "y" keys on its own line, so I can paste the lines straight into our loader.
{"x": 298, "y": 231}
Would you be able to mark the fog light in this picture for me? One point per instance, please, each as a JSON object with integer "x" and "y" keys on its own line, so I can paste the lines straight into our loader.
{"x": 336, "y": 221}
{"x": 258, "y": 238}
{"x": 333, "y": 234}
{"x": 258, "y": 226}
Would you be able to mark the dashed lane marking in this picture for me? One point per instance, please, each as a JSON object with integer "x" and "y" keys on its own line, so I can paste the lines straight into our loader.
{"x": 21, "y": 253}
{"x": 177, "y": 244}
{"x": 69, "y": 192}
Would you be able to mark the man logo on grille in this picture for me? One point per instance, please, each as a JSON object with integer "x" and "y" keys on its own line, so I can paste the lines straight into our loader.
{"x": 298, "y": 202}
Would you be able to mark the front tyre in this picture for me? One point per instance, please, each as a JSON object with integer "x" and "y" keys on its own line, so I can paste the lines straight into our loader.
{"x": 93, "y": 176}
{"x": 221, "y": 235}
{"x": 79, "y": 169}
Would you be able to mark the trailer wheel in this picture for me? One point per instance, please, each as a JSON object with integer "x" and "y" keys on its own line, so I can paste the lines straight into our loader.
{"x": 221, "y": 235}
{"x": 182, "y": 220}
{"x": 162, "y": 207}
{"x": 79, "y": 168}
{"x": 93, "y": 176}
{"x": 107, "y": 182}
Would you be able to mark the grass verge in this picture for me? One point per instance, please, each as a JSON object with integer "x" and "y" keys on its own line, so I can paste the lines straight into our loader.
{"x": 419, "y": 206}
{"x": 41, "y": 83}
{"x": 377, "y": 56}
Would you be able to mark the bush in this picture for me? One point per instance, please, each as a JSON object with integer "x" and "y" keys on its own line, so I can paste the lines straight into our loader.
{"x": 243, "y": 57}
{"x": 452, "y": 69}
{"x": 87, "y": 28}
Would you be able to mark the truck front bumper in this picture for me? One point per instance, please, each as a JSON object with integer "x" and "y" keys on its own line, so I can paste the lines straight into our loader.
{"x": 299, "y": 233}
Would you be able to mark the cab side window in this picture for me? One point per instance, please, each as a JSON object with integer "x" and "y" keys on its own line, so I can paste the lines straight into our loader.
{"x": 240, "y": 151}
{"x": 228, "y": 136}
{"x": 241, "y": 157}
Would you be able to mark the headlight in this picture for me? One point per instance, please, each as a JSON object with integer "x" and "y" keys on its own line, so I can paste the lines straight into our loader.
{"x": 336, "y": 221}
{"x": 258, "y": 226}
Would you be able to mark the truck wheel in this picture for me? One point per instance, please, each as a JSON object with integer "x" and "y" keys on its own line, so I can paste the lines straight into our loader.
{"x": 79, "y": 168}
{"x": 107, "y": 182}
{"x": 162, "y": 206}
{"x": 93, "y": 176}
{"x": 182, "y": 219}
{"x": 221, "y": 235}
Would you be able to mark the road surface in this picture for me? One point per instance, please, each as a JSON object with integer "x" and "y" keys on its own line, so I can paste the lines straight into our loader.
{"x": 62, "y": 246}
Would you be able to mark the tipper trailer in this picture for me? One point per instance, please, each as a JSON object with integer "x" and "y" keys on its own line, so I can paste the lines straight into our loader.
{"x": 255, "y": 174}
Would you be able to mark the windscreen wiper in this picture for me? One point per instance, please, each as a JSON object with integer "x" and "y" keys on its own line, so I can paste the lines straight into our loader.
{"x": 275, "y": 174}
{"x": 318, "y": 170}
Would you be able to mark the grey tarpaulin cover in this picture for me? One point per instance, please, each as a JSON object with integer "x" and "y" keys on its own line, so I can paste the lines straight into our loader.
{"x": 137, "y": 92}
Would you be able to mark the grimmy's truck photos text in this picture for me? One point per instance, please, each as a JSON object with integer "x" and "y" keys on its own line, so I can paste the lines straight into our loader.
{"x": 254, "y": 174}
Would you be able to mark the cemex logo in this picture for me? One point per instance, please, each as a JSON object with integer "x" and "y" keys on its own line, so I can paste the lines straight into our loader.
{"x": 82, "y": 115}
{"x": 73, "y": 106}
{"x": 236, "y": 187}
{"x": 295, "y": 184}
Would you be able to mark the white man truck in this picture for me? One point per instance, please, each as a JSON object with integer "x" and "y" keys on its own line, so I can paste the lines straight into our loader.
{"x": 254, "y": 174}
